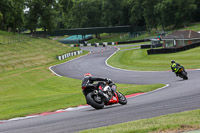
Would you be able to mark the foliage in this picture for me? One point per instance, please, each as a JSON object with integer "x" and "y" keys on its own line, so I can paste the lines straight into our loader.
{"x": 112, "y": 13}
{"x": 61, "y": 14}
{"x": 1, "y": 18}
{"x": 84, "y": 13}
{"x": 175, "y": 12}
{"x": 42, "y": 13}
{"x": 12, "y": 12}
{"x": 136, "y": 12}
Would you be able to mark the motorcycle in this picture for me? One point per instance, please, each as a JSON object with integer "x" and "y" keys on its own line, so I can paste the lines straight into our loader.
{"x": 104, "y": 95}
{"x": 182, "y": 73}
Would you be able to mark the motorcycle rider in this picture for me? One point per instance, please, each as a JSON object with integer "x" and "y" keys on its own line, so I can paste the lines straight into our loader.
{"x": 88, "y": 81}
{"x": 174, "y": 67}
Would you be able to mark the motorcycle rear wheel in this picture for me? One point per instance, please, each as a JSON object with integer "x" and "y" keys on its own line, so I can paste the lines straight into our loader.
{"x": 122, "y": 98}
{"x": 97, "y": 104}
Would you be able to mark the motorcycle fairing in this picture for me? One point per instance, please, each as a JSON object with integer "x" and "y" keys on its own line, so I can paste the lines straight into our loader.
{"x": 113, "y": 100}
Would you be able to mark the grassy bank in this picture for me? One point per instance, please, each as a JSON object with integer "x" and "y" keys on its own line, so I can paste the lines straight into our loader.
{"x": 34, "y": 52}
{"x": 139, "y": 60}
{"x": 172, "y": 123}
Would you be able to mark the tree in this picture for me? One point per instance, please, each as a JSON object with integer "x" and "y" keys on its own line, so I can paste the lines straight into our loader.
{"x": 65, "y": 7}
{"x": 165, "y": 10}
{"x": 1, "y": 20}
{"x": 18, "y": 14}
{"x": 12, "y": 14}
{"x": 32, "y": 15}
{"x": 42, "y": 13}
{"x": 125, "y": 7}
{"x": 85, "y": 13}
{"x": 112, "y": 12}
{"x": 150, "y": 16}
{"x": 184, "y": 12}
{"x": 175, "y": 12}
{"x": 136, "y": 13}
{"x": 49, "y": 14}
{"x": 196, "y": 16}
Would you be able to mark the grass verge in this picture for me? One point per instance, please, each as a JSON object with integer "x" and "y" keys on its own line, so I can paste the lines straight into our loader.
{"x": 173, "y": 123}
{"x": 139, "y": 60}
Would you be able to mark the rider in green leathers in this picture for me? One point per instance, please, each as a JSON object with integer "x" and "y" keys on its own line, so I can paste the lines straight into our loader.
{"x": 175, "y": 67}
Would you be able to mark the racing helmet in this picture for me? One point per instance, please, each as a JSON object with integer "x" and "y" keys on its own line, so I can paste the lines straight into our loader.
{"x": 172, "y": 61}
{"x": 88, "y": 75}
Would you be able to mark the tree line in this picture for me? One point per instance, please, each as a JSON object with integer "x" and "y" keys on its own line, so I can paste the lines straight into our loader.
{"x": 63, "y": 14}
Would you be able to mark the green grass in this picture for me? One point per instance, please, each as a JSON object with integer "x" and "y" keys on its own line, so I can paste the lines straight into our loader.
{"x": 31, "y": 53}
{"x": 10, "y": 37}
{"x": 126, "y": 48}
{"x": 178, "y": 122}
{"x": 194, "y": 27}
{"x": 139, "y": 60}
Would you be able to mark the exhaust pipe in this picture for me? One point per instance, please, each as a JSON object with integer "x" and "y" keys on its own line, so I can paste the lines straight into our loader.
{"x": 95, "y": 92}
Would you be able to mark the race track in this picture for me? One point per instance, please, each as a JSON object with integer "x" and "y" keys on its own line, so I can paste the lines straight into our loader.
{"x": 177, "y": 97}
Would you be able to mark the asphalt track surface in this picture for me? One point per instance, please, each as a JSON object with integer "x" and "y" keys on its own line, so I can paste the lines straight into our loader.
{"x": 179, "y": 96}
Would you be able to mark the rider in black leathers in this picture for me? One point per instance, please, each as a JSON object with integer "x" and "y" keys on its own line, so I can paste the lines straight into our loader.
{"x": 88, "y": 81}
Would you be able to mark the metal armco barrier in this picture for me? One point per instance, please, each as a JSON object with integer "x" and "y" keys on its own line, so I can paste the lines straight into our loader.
{"x": 94, "y": 44}
{"x": 172, "y": 50}
{"x": 109, "y": 43}
{"x": 64, "y": 56}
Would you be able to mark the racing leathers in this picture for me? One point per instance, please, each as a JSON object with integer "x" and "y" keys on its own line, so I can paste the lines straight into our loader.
{"x": 89, "y": 82}
{"x": 175, "y": 68}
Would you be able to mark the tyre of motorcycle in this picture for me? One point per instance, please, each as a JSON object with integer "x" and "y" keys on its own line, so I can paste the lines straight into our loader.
{"x": 122, "y": 98}
{"x": 184, "y": 75}
{"x": 94, "y": 100}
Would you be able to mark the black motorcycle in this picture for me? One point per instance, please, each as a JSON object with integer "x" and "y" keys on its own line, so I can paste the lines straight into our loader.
{"x": 103, "y": 95}
{"x": 182, "y": 73}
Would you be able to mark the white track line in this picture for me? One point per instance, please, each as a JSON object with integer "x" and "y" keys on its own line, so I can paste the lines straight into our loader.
{"x": 167, "y": 85}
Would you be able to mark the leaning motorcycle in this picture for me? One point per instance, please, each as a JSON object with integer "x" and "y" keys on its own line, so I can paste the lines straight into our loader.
{"x": 106, "y": 94}
{"x": 182, "y": 73}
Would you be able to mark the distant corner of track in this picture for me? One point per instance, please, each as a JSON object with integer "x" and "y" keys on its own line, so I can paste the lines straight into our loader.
{"x": 50, "y": 68}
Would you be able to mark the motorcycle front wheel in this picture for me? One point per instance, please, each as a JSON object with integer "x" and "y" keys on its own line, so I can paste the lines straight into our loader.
{"x": 122, "y": 98}
{"x": 95, "y": 101}
{"x": 185, "y": 77}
